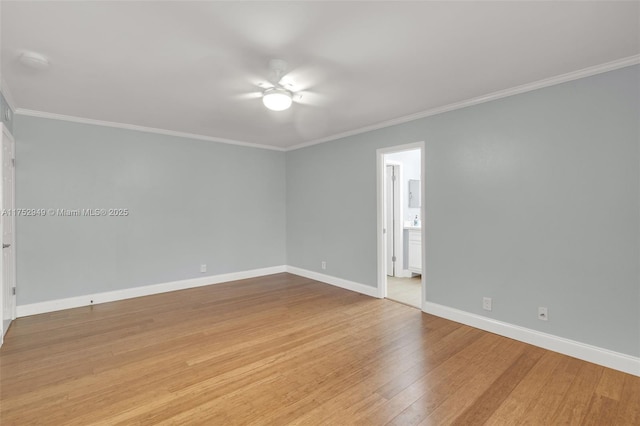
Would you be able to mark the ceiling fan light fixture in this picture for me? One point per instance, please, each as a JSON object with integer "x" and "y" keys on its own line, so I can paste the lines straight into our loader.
{"x": 277, "y": 99}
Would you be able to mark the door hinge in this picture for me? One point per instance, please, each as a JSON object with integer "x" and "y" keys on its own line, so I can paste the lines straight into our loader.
{"x": 13, "y": 291}
{"x": 393, "y": 258}
{"x": 393, "y": 178}
{"x": 13, "y": 162}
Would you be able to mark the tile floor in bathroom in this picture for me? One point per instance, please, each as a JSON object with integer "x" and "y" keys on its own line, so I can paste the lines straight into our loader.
{"x": 404, "y": 290}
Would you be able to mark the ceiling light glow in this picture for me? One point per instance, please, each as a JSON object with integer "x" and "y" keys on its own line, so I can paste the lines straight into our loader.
{"x": 277, "y": 99}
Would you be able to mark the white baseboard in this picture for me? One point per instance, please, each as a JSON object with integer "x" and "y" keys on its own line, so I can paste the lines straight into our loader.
{"x": 618, "y": 361}
{"x": 338, "y": 282}
{"x": 129, "y": 293}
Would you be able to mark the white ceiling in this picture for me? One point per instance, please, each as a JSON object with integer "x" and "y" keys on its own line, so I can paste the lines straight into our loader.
{"x": 191, "y": 66}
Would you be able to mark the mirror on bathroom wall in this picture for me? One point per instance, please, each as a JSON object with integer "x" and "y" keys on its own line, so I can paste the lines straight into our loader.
{"x": 414, "y": 193}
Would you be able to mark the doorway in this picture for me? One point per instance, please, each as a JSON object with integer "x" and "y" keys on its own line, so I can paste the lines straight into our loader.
{"x": 7, "y": 260}
{"x": 400, "y": 231}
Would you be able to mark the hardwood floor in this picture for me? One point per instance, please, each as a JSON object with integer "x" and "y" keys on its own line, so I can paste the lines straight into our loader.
{"x": 288, "y": 350}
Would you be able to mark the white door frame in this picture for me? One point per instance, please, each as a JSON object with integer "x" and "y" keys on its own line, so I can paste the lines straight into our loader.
{"x": 380, "y": 235}
{"x": 5, "y": 134}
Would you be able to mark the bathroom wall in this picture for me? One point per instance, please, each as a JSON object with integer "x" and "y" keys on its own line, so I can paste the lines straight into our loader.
{"x": 410, "y": 161}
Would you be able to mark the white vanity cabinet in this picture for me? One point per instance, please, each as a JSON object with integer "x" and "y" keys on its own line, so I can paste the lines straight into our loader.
{"x": 415, "y": 250}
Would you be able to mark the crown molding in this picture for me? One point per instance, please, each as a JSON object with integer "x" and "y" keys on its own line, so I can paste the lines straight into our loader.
{"x": 563, "y": 78}
{"x": 540, "y": 84}
{"x": 4, "y": 88}
{"x": 81, "y": 120}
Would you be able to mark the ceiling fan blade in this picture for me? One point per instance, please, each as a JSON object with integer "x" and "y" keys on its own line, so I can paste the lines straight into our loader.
{"x": 265, "y": 85}
{"x": 248, "y": 96}
{"x": 287, "y": 84}
{"x": 303, "y": 78}
{"x": 310, "y": 98}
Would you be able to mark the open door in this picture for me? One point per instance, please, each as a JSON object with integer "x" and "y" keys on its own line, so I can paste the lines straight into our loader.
{"x": 7, "y": 223}
{"x": 392, "y": 213}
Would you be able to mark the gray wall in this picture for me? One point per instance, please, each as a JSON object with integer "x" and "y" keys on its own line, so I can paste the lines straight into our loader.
{"x": 190, "y": 202}
{"x": 532, "y": 200}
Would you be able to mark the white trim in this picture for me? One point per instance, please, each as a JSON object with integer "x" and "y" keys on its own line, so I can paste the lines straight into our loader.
{"x": 128, "y": 293}
{"x": 4, "y": 88}
{"x": 381, "y": 243}
{"x": 423, "y": 220}
{"x": 338, "y": 282}
{"x": 616, "y": 360}
{"x": 81, "y": 120}
{"x": 540, "y": 84}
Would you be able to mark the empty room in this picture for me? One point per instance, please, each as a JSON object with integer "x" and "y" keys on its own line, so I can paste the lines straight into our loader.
{"x": 320, "y": 212}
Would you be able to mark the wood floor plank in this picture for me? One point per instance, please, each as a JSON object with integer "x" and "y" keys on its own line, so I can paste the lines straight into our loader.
{"x": 481, "y": 383}
{"x": 604, "y": 402}
{"x": 484, "y": 406}
{"x": 542, "y": 408}
{"x": 401, "y": 392}
{"x": 376, "y": 368}
{"x": 284, "y": 350}
{"x": 629, "y": 406}
{"x": 575, "y": 403}
{"x": 452, "y": 375}
{"x": 533, "y": 384}
{"x": 601, "y": 411}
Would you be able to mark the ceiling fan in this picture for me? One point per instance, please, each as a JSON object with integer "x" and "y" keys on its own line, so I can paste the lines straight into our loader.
{"x": 278, "y": 92}
{"x": 283, "y": 87}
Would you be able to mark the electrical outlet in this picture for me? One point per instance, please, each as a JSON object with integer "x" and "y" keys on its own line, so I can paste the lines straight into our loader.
{"x": 323, "y": 264}
{"x": 486, "y": 303}
{"x": 543, "y": 315}
{"x": 203, "y": 268}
